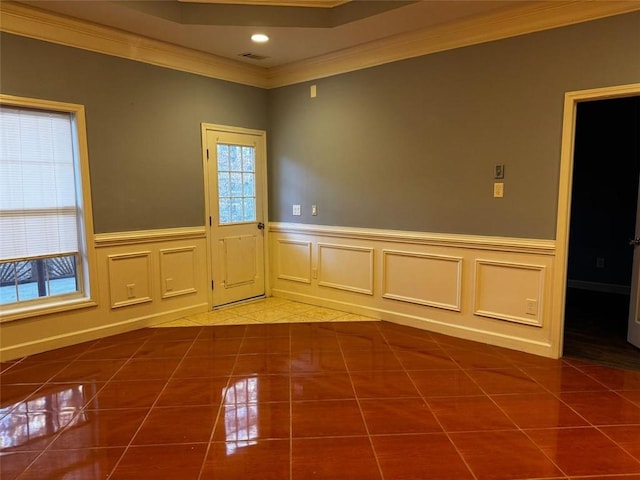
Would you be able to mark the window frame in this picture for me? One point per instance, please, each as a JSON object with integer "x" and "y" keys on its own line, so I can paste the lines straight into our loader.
{"x": 86, "y": 268}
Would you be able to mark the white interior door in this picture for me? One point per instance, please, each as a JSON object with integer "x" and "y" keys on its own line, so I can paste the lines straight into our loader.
{"x": 633, "y": 332}
{"x": 235, "y": 171}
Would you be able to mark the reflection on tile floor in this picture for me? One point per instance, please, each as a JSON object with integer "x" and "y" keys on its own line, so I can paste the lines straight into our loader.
{"x": 282, "y": 390}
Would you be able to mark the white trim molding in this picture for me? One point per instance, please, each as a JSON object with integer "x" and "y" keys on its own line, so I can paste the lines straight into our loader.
{"x": 350, "y": 267}
{"x": 528, "y": 17}
{"x": 121, "y": 268}
{"x": 132, "y": 269}
{"x": 427, "y": 280}
{"x": 503, "y": 300}
{"x": 185, "y": 269}
{"x": 432, "y": 276}
{"x": 303, "y": 273}
{"x": 39, "y": 24}
{"x": 505, "y": 244}
{"x": 525, "y": 17}
{"x": 115, "y": 239}
{"x": 571, "y": 100}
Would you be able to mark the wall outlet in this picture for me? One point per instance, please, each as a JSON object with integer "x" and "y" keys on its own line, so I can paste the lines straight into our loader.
{"x": 498, "y": 190}
{"x": 296, "y": 210}
{"x": 531, "y": 307}
{"x": 131, "y": 290}
{"x": 313, "y": 91}
{"x": 314, "y": 210}
{"x": 314, "y": 273}
{"x": 599, "y": 262}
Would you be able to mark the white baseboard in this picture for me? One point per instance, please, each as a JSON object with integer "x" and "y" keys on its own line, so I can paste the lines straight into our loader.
{"x": 423, "y": 323}
{"x": 73, "y": 338}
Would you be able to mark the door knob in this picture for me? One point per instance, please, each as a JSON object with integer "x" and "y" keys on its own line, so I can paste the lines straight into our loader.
{"x": 634, "y": 242}
{"x": 261, "y": 226}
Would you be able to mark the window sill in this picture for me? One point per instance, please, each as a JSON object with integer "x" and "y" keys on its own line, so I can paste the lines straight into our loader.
{"x": 22, "y": 312}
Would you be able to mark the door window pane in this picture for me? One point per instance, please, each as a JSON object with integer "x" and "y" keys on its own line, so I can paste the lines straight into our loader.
{"x": 236, "y": 210}
{"x": 223, "y": 158}
{"x": 235, "y": 160}
{"x": 248, "y": 160}
{"x": 225, "y": 210}
{"x": 236, "y": 184}
{"x": 224, "y": 184}
{"x": 249, "y": 184}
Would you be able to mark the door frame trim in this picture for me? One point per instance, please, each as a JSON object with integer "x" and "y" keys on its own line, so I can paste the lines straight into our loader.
{"x": 571, "y": 100}
{"x": 205, "y": 127}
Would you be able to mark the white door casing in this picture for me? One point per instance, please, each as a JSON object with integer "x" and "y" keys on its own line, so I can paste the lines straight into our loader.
{"x": 235, "y": 190}
{"x": 633, "y": 330}
{"x": 571, "y": 100}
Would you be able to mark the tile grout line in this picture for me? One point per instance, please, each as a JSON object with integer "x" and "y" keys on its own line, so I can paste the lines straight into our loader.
{"x": 290, "y": 406}
{"x": 357, "y": 399}
{"x": 166, "y": 383}
{"x": 589, "y": 424}
{"x": 79, "y": 411}
{"x": 429, "y": 406}
{"x": 220, "y": 407}
{"x": 522, "y": 430}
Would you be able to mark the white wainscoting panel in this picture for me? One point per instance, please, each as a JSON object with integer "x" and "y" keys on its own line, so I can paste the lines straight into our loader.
{"x": 489, "y": 289}
{"x": 424, "y": 279}
{"x": 509, "y": 291}
{"x": 132, "y": 269}
{"x": 178, "y": 271}
{"x": 346, "y": 267}
{"x": 294, "y": 260}
{"x": 130, "y": 279}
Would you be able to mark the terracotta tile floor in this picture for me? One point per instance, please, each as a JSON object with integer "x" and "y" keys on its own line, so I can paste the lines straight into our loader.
{"x": 229, "y": 397}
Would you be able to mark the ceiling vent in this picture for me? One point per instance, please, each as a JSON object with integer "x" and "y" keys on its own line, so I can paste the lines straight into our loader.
{"x": 252, "y": 56}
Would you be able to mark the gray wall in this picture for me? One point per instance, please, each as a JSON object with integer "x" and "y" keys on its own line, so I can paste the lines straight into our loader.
{"x": 411, "y": 145}
{"x": 143, "y": 126}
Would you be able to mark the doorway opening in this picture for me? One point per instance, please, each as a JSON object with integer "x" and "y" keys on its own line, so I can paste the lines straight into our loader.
{"x": 604, "y": 199}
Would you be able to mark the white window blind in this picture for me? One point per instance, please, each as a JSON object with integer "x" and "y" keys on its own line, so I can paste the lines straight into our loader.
{"x": 38, "y": 198}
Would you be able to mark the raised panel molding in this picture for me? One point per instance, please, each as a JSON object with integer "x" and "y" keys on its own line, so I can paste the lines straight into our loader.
{"x": 294, "y": 260}
{"x": 178, "y": 271}
{"x": 504, "y": 291}
{"x": 346, "y": 267}
{"x": 421, "y": 278}
{"x": 130, "y": 279}
{"x": 241, "y": 251}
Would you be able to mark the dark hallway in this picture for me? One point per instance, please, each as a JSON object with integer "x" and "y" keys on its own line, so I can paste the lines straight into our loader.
{"x": 603, "y": 220}
{"x": 596, "y": 328}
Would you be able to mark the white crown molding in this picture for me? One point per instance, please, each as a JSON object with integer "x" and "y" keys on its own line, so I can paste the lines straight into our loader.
{"x": 526, "y": 18}
{"x": 277, "y": 3}
{"x": 480, "y": 242}
{"x": 510, "y": 22}
{"x": 38, "y": 24}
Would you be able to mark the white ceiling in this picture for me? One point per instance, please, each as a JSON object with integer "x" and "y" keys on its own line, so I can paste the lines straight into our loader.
{"x": 224, "y": 30}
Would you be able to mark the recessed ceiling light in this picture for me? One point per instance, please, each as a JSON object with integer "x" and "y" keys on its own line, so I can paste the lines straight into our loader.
{"x": 259, "y": 38}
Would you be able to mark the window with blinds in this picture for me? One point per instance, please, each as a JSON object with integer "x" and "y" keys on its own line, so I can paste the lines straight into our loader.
{"x": 41, "y": 234}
